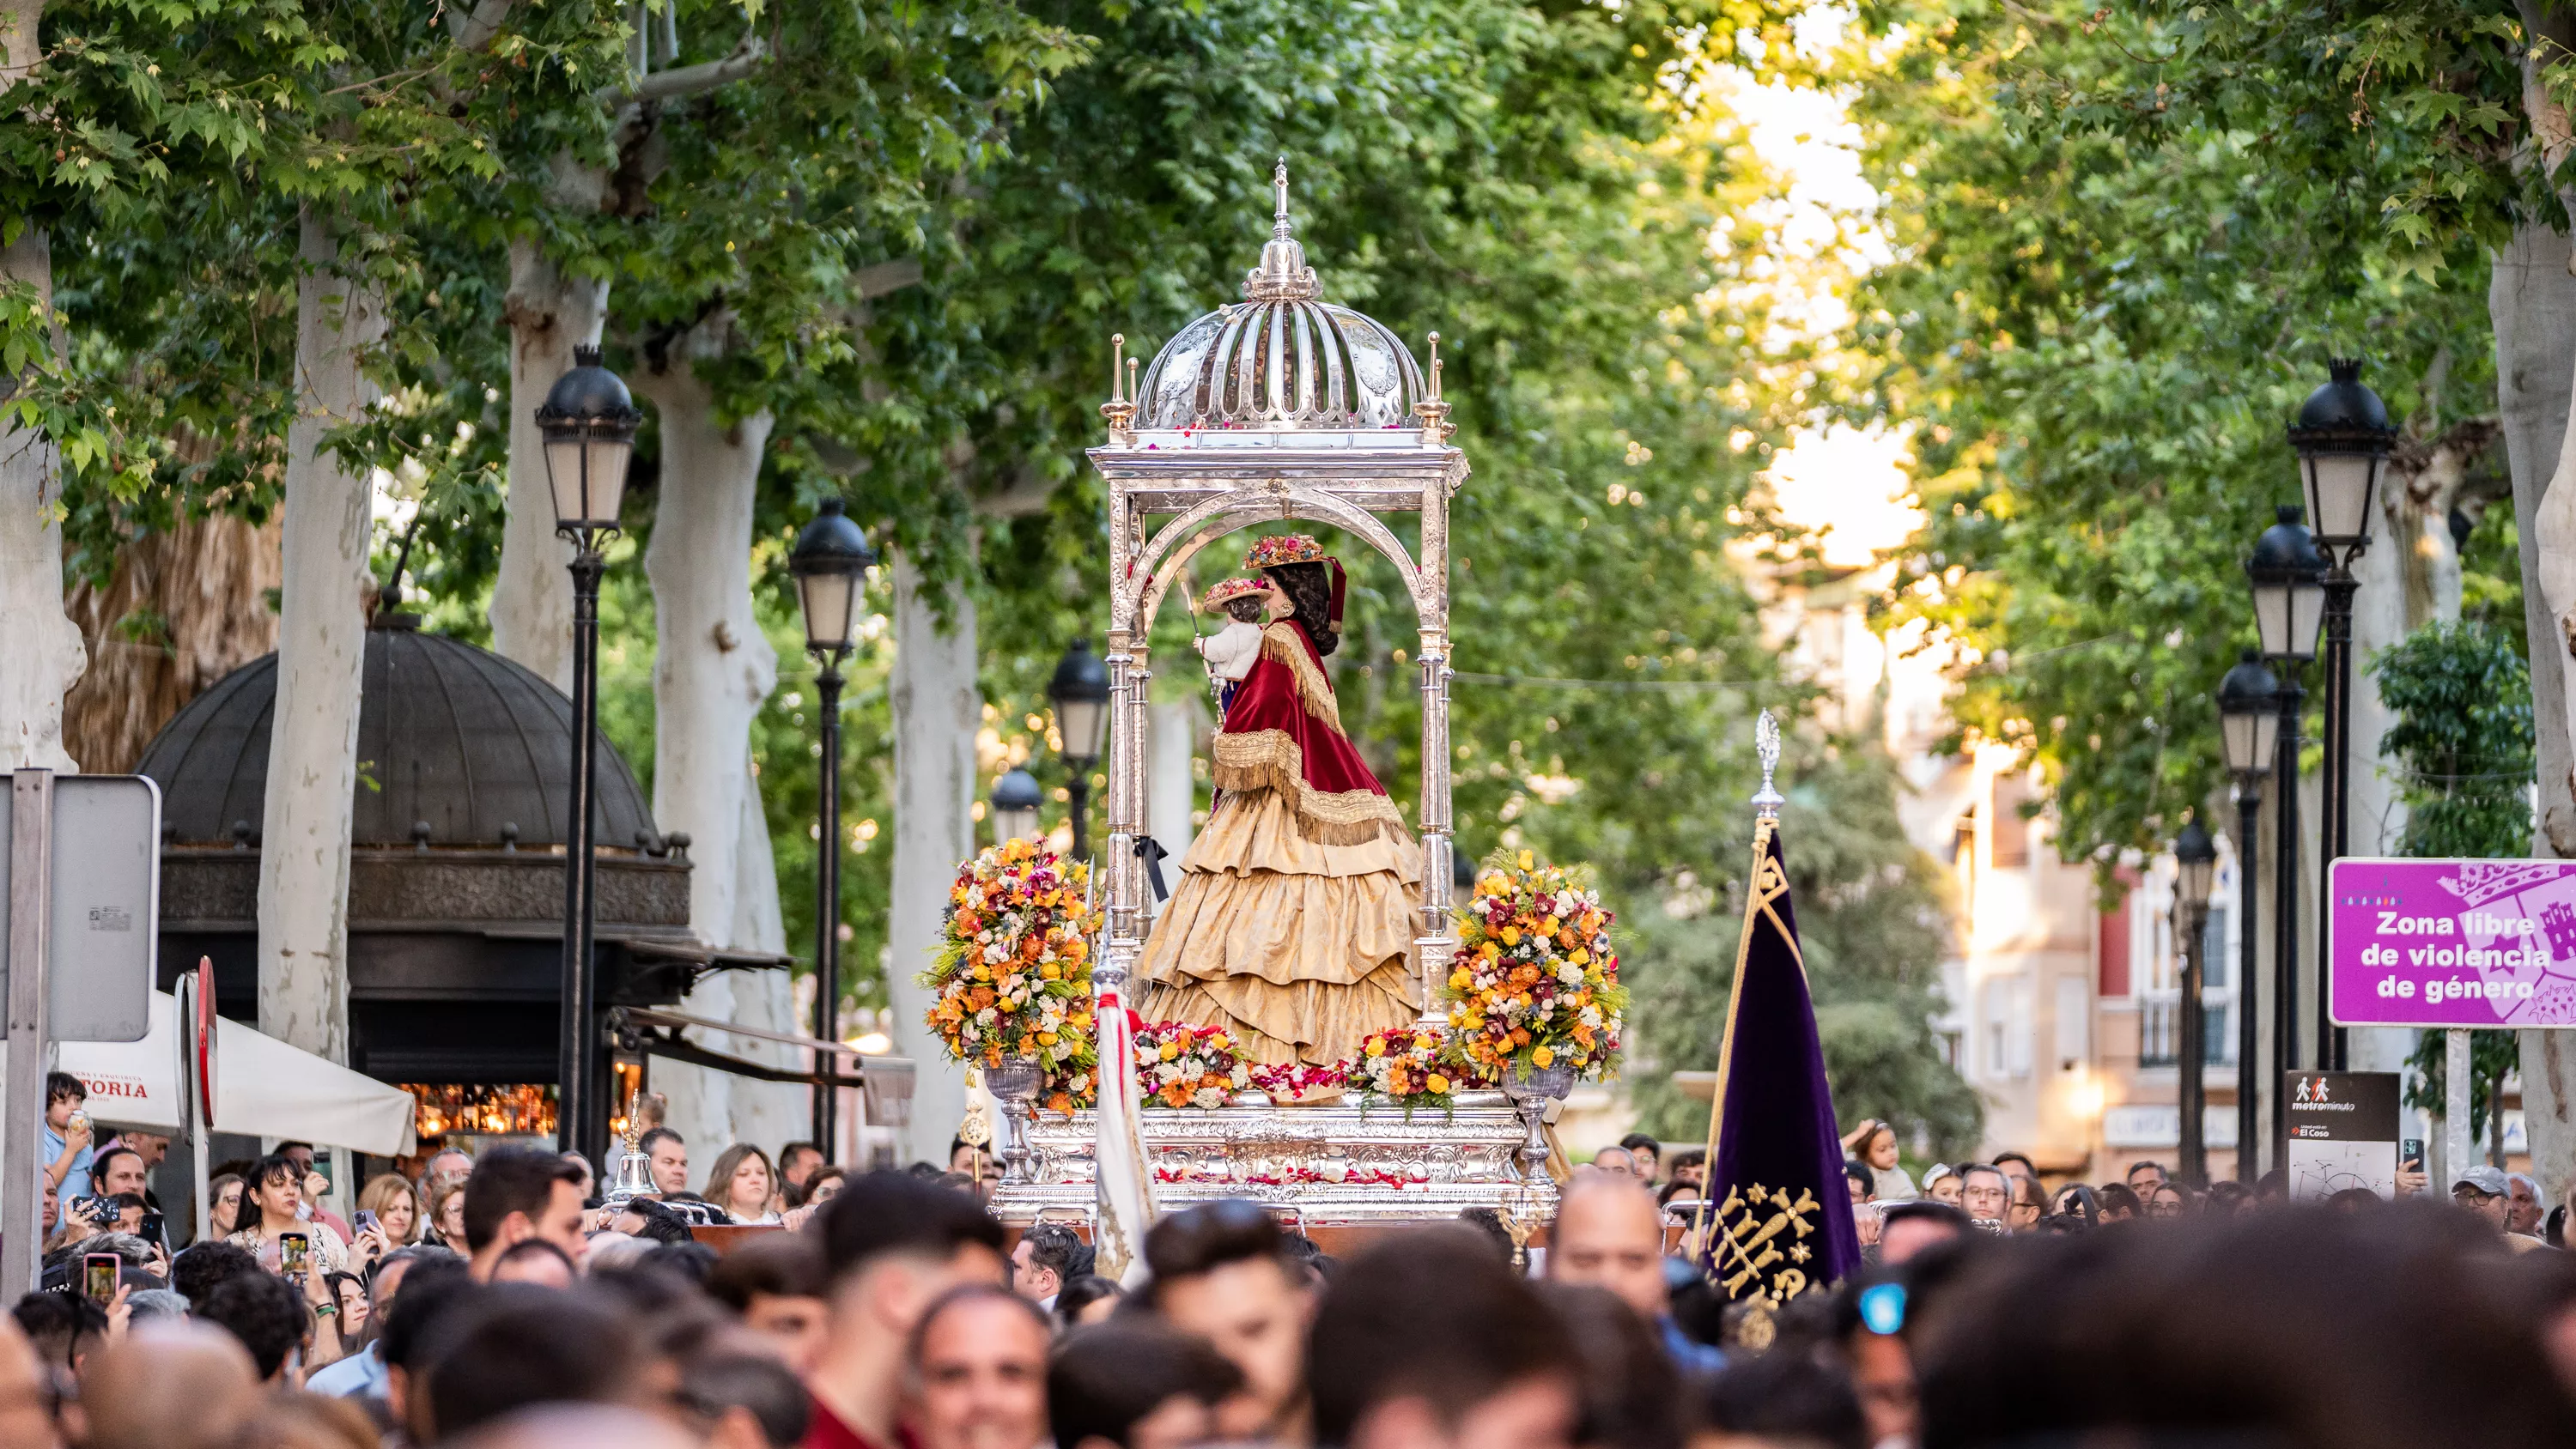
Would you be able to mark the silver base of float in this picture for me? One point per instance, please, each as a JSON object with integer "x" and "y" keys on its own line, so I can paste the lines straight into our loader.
{"x": 1356, "y": 1162}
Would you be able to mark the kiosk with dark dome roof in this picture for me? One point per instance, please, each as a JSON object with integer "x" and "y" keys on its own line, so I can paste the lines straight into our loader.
{"x": 455, "y": 907}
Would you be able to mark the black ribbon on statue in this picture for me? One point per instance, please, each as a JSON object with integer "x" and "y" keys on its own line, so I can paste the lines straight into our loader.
{"x": 1151, "y": 851}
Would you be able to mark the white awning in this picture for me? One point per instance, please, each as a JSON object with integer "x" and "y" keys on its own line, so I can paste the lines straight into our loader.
{"x": 263, "y": 1088}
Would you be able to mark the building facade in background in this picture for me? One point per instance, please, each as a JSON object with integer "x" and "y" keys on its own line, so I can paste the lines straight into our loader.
{"x": 2063, "y": 989}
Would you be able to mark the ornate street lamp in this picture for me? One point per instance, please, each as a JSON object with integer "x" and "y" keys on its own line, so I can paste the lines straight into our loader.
{"x": 2249, "y": 716}
{"x": 588, "y": 421}
{"x": 830, "y": 563}
{"x": 1015, "y": 807}
{"x": 2249, "y": 723}
{"x": 1080, "y": 694}
{"x": 2343, "y": 438}
{"x": 2288, "y": 575}
{"x": 2195, "y": 871}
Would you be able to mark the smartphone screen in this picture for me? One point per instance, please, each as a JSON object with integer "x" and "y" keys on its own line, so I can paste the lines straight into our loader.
{"x": 290, "y": 1254}
{"x": 98, "y": 1276}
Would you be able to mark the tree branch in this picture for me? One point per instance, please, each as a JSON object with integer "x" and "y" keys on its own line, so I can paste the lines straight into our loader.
{"x": 690, "y": 80}
{"x": 478, "y": 24}
{"x": 885, "y": 277}
{"x": 2461, "y": 442}
{"x": 1026, "y": 494}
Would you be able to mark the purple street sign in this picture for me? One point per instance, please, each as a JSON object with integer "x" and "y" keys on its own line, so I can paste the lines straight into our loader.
{"x": 2453, "y": 943}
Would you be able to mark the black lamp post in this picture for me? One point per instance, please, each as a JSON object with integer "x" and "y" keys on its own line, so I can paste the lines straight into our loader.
{"x": 2343, "y": 438}
{"x": 2195, "y": 870}
{"x": 2288, "y": 577}
{"x": 1015, "y": 803}
{"x": 2249, "y": 723}
{"x": 830, "y": 563}
{"x": 588, "y": 421}
{"x": 1080, "y": 694}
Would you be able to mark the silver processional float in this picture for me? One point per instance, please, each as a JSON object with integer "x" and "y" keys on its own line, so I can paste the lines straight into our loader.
{"x": 1279, "y": 407}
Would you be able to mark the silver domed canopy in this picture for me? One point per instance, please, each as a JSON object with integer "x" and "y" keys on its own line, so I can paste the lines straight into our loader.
{"x": 1280, "y": 359}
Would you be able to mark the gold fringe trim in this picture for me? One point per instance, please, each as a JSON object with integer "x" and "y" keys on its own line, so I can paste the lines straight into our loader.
{"x": 1270, "y": 760}
{"x": 1280, "y": 644}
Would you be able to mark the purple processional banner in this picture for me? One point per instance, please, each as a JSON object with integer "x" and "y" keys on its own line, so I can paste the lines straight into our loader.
{"x": 2453, "y": 943}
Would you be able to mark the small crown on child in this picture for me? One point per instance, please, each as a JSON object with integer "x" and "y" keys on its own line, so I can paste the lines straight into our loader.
{"x": 1283, "y": 548}
{"x": 1221, "y": 594}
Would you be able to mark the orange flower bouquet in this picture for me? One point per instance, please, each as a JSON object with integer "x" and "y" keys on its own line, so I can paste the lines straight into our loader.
{"x": 1536, "y": 981}
{"x": 1180, "y": 1065}
{"x": 1411, "y": 1065}
{"x": 1013, "y": 973}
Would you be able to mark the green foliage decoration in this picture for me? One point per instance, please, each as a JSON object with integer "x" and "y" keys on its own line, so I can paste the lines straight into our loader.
{"x": 2461, "y": 742}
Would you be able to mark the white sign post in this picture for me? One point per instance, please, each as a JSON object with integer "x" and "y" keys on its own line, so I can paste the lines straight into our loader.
{"x": 22, "y": 1194}
{"x": 196, "y": 1078}
{"x": 81, "y": 885}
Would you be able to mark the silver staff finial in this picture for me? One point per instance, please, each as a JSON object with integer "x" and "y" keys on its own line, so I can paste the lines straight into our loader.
{"x": 1766, "y": 744}
{"x": 1279, "y": 191}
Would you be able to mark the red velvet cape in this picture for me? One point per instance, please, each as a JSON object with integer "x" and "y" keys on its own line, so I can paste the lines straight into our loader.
{"x": 1283, "y": 732}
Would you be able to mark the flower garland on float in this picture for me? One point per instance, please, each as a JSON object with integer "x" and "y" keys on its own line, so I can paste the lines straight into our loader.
{"x": 1297, "y": 1081}
{"x": 1012, "y": 976}
{"x": 1536, "y": 982}
{"x": 1180, "y": 1065}
{"x": 1412, "y": 1066}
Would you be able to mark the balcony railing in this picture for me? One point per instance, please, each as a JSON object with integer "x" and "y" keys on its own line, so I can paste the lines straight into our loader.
{"x": 2160, "y": 1030}
{"x": 2159, "y": 1034}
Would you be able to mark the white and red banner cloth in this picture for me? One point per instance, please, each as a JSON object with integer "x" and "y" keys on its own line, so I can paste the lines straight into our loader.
{"x": 1126, "y": 1189}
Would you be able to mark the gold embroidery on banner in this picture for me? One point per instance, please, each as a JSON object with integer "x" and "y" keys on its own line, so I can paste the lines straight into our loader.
{"x": 1758, "y": 1330}
{"x": 1751, "y": 1253}
{"x": 1280, "y": 644}
{"x": 1270, "y": 760}
{"x": 1770, "y": 883}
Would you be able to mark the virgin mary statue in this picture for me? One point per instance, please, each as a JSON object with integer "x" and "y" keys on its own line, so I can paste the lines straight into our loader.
{"x": 1294, "y": 917}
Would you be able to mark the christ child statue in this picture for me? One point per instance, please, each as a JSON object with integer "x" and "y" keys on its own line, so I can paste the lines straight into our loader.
{"x": 1232, "y": 651}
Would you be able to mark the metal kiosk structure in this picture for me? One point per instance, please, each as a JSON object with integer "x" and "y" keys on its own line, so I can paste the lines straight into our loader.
{"x": 1281, "y": 406}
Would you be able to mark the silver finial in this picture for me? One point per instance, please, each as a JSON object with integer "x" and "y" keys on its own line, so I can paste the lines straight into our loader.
{"x": 1766, "y": 744}
{"x": 1283, "y": 275}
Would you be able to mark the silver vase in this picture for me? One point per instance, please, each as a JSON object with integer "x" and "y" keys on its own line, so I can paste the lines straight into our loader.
{"x": 1529, "y": 1096}
{"x": 1014, "y": 1085}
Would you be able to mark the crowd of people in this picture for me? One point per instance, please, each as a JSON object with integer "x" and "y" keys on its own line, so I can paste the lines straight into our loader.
{"x": 495, "y": 1302}
{"x": 2008, "y": 1195}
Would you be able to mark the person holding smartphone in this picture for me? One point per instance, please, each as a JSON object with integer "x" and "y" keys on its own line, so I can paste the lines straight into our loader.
{"x": 307, "y": 1255}
{"x": 271, "y": 1228}
{"x": 77, "y": 1218}
{"x": 101, "y": 1273}
{"x": 2412, "y": 1179}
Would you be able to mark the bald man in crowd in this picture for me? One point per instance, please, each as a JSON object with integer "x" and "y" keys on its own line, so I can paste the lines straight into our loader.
{"x": 579, "y": 1426}
{"x": 1610, "y": 1234}
{"x": 170, "y": 1386}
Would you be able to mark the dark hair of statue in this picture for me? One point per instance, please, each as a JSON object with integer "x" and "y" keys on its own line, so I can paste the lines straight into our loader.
{"x": 1245, "y": 610}
{"x": 1309, "y": 587}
